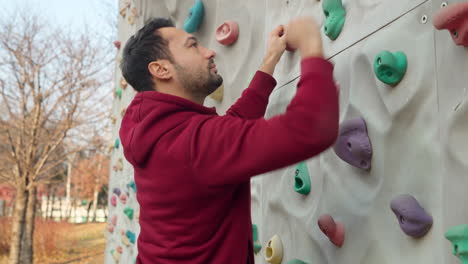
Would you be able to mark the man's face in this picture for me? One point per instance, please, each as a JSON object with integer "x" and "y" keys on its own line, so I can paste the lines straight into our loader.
{"x": 193, "y": 64}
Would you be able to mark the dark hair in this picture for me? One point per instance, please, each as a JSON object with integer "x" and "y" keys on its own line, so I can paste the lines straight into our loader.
{"x": 145, "y": 46}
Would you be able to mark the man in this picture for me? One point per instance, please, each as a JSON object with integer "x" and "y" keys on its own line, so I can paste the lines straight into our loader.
{"x": 193, "y": 167}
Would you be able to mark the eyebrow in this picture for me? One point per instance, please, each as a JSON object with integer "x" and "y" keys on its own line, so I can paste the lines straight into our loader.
{"x": 190, "y": 38}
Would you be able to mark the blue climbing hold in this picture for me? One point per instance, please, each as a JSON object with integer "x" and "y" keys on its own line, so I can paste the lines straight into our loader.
{"x": 131, "y": 236}
{"x": 117, "y": 143}
{"x": 195, "y": 17}
{"x": 132, "y": 185}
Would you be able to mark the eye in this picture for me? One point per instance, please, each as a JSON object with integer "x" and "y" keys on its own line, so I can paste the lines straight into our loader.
{"x": 194, "y": 44}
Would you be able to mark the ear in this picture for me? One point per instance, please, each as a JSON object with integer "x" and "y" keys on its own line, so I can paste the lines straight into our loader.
{"x": 160, "y": 69}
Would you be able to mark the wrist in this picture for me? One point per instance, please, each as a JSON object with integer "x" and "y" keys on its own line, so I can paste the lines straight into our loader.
{"x": 269, "y": 64}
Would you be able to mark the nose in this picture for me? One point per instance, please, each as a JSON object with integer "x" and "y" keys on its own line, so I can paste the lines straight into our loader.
{"x": 209, "y": 54}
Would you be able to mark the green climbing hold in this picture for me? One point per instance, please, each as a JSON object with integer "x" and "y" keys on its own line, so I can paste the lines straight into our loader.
{"x": 117, "y": 143}
{"x": 118, "y": 92}
{"x": 257, "y": 248}
{"x": 255, "y": 232}
{"x": 389, "y": 67}
{"x": 129, "y": 213}
{"x": 302, "y": 179}
{"x": 458, "y": 235}
{"x": 335, "y": 15}
{"x": 296, "y": 261}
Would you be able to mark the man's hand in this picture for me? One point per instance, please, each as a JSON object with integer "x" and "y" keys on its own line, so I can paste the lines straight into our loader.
{"x": 275, "y": 48}
{"x": 303, "y": 33}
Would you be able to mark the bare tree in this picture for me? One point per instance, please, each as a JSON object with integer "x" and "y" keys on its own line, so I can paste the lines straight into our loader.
{"x": 55, "y": 90}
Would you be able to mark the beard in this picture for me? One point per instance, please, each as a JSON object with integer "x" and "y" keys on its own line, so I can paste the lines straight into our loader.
{"x": 199, "y": 82}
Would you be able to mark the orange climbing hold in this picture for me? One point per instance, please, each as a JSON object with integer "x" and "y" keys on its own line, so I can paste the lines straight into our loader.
{"x": 454, "y": 18}
{"x": 333, "y": 230}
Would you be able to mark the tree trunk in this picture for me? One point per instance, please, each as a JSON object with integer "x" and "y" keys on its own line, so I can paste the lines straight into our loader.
{"x": 97, "y": 186}
{"x": 27, "y": 249}
{"x": 18, "y": 224}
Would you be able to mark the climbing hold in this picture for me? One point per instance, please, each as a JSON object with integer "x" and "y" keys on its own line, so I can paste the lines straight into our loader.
{"x": 390, "y": 68}
{"x": 116, "y": 191}
{"x": 454, "y": 18}
{"x": 123, "y": 83}
{"x": 113, "y": 119}
{"x": 131, "y": 19}
{"x": 296, "y": 261}
{"x": 119, "y": 165}
{"x": 117, "y": 44}
{"x": 335, "y": 15}
{"x": 135, "y": 12}
{"x": 119, "y": 249}
{"x": 113, "y": 200}
{"x": 131, "y": 236}
{"x": 118, "y": 92}
{"x": 302, "y": 179}
{"x": 458, "y": 235}
{"x": 353, "y": 144}
{"x": 116, "y": 255}
{"x": 132, "y": 185}
{"x": 122, "y": 111}
{"x": 114, "y": 220}
{"x": 127, "y": 3}
{"x": 123, "y": 198}
{"x": 254, "y": 232}
{"x": 274, "y": 250}
{"x": 227, "y": 33}
{"x": 256, "y": 246}
{"x": 195, "y": 17}
{"x": 413, "y": 219}
{"x": 123, "y": 11}
{"x": 125, "y": 240}
{"x": 333, "y": 230}
{"x": 117, "y": 143}
{"x": 218, "y": 94}
{"x": 110, "y": 228}
{"x": 128, "y": 212}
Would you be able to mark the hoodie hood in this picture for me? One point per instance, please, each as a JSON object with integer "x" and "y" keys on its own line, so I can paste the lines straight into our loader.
{"x": 150, "y": 116}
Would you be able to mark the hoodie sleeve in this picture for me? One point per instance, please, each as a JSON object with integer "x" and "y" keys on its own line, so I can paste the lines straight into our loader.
{"x": 230, "y": 150}
{"x": 254, "y": 100}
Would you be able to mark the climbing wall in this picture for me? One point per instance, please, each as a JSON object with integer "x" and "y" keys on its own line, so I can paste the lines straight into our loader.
{"x": 392, "y": 188}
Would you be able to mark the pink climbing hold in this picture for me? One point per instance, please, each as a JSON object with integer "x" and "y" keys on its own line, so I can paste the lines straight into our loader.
{"x": 110, "y": 228}
{"x": 113, "y": 200}
{"x": 117, "y": 44}
{"x": 119, "y": 249}
{"x": 123, "y": 198}
{"x": 454, "y": 18}
{"x": 333, "y": 230}
{"x": 227, "y": 33}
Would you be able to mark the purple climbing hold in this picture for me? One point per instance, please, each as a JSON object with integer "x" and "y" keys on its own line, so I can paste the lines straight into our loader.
{"x": 414, "y": 221}
{"x": 116, "y": 191}
{"x": 353, "y": 144}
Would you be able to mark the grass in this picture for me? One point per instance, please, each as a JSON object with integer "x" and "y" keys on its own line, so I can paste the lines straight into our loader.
{"x": 61, "y": 242}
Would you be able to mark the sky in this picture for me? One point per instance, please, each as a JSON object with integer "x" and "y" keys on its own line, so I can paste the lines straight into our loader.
{"x": 74, "y": 14}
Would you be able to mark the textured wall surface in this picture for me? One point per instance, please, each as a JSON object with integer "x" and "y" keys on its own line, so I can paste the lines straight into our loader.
{"x": 417, "y": 129}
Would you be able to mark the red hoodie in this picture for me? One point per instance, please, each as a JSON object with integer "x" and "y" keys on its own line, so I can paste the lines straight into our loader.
{"x": 193, "y": 167}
